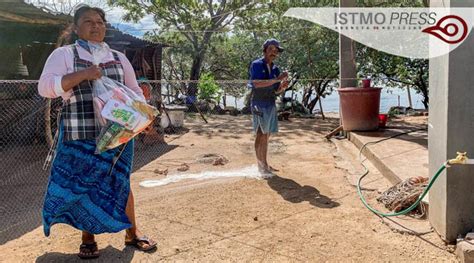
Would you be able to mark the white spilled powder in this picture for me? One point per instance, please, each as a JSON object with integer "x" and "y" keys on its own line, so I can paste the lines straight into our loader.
{"x": 250, "y": 172}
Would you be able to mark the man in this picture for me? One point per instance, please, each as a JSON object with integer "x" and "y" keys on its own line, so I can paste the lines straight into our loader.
{"x": 266, "y": 82}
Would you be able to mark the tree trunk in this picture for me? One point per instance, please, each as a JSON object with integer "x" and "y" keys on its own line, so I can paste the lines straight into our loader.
{"x": 197, "y": 64}
{"x": 194, "y": 76}
{"x": 306, "y": 96}
{"x": 168, "y": 92}
{"x": 423, "y": 88}
{"x": 424, "y": 91}
{"x": 320, "y": 89}
{"x": 312, "y": 104}
{"x": 321, "y": 109}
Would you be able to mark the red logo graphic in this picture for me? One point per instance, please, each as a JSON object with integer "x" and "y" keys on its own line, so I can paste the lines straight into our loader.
{"x": 451, "y": 29}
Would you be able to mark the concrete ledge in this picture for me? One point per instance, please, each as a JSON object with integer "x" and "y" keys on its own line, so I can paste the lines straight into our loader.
{"x": 465, "y": 251}
{"x": 377, "y": 162}
{"x": 399, "y": 158}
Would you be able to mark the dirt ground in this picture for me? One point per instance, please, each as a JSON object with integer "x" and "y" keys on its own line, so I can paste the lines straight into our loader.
{"x": 308, "y": 211}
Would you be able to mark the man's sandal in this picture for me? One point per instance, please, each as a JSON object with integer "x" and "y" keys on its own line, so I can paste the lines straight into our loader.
{"x": 141, "y": 243}
{"x": 88, "y": 251}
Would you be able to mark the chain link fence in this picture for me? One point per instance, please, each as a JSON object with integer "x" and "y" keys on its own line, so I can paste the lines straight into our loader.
{"x": 28, "y": 122}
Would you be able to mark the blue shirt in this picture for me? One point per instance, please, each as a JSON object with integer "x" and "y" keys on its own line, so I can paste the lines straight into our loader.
{"x": 259, "y": 71}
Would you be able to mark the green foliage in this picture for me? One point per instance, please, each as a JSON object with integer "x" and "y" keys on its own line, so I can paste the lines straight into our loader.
{"x": 208, "y": 88}
{"x": 310, "y": 50}
{"x": 192, "y": 20}
{"x": 393, "y": 3}
{"x": 393, "y": 71}
{"x": 223, "y": 37}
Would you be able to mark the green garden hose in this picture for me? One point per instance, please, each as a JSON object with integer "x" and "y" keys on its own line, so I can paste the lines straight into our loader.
{"x": 461, "y": 159}
{"x": 405, "y": 211}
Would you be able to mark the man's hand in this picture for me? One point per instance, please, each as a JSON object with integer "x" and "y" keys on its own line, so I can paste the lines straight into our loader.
{"x": 283, "y": 86}
{"x": 92, "y": 73}
{"x": 283, "y": 76}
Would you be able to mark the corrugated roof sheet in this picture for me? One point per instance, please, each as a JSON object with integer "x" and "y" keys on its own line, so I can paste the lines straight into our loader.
{"x": 17, "y": 11}
{"x": 20, "y": 12}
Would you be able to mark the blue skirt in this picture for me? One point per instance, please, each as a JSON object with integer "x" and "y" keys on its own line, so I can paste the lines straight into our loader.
{"x": 81, "y": 193}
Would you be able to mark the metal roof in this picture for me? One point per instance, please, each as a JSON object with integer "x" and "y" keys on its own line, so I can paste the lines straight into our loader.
{"x": 17, "y": 11}
{"x": 20, "y": 13}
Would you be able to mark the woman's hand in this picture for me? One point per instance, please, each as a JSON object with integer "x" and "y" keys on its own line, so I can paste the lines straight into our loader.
{"x": 71, "y": 80}
{"x": 92, "y": 73}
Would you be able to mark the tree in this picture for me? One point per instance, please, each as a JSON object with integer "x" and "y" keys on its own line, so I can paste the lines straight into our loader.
{"x": 315, "y": 56}
{"x": 208, "y": 89}
{"x": 395, "y": 71}
{"x": 311, "y": 50}
{"x": 196, "y": 20}
{"x": 175, "y": 64}
{"x": 228, "y": 61}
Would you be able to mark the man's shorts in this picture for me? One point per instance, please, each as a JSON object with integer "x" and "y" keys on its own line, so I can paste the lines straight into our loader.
{"x": 265, "y": 118}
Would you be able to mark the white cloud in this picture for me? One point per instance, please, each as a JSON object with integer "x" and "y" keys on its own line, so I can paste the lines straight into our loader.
{"x": 115, "y": 17}
{"x": 113, "y": 14}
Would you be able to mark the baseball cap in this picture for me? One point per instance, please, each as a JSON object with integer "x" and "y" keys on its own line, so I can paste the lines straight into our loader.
{"x": 272, "y": 41}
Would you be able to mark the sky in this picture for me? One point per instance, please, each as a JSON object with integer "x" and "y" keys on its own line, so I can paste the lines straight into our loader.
{"x": 113, "y": 15}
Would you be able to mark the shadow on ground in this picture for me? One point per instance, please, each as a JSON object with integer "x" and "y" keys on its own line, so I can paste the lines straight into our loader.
{"x": 293, "y": 192}
{"x": 146, "y": 153}
{"x": 23, "y": 183}
{"x": 415, "y": 135}
{"x": 108, "y": 254}
{"x": 296, "y": 127}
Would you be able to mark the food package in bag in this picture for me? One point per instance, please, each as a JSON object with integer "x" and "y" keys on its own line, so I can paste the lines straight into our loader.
{"x": 111, "y": 136}
{"x": 126, "y": 118}
{"x": 120, "y": 113}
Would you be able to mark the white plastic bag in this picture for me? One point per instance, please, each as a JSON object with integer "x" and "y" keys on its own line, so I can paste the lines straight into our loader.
{"x": 120, "y": 113}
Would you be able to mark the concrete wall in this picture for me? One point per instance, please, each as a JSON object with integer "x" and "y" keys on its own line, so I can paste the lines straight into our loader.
{"x": 347, "y": 50}
{"x": 451, "y": 128}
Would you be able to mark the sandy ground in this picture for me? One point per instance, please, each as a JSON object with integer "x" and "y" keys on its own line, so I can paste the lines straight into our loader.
{"x": 309, "y": 211}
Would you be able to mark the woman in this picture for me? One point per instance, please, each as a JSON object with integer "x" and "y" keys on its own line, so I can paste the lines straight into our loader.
{"x": 81, "y": 191}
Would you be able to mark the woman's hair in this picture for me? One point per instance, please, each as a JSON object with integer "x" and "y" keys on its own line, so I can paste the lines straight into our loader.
{"x": 84, "y": 9}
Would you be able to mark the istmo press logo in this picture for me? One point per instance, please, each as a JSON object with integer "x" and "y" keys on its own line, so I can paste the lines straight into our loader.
{"x": 450, "y": 26}
{"x": 407, "y": 32}
{"x": 451, "y": 29}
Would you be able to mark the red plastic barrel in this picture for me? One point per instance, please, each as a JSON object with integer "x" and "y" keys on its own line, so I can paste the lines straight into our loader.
{"x": 359, "y": 108}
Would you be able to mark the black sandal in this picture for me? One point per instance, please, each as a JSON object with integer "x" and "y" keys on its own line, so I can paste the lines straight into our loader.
{"x": 140, "y": 242}
{"x": 88, "y": 251}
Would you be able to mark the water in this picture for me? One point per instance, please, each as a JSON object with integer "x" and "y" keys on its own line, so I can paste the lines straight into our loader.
{"x": 388, "y": 98}
{"x": 249, "y": 172}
